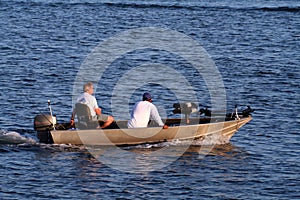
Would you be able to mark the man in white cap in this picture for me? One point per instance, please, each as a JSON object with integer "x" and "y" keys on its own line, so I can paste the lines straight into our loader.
{"x": 143, "y": 111}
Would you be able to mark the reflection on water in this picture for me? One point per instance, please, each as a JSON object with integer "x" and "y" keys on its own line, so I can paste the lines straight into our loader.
{"x": 147, "y": 158}
{"x": 226, "y": 150}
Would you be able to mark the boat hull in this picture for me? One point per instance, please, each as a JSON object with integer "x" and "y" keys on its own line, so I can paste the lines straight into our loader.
{"x": 136, "y": 136}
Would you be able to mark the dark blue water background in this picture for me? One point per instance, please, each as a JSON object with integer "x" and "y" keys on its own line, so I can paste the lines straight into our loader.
{"x": 255, "y": 46}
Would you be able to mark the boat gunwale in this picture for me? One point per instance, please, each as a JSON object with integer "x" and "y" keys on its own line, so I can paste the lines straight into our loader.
{"x": 223, "y": 120}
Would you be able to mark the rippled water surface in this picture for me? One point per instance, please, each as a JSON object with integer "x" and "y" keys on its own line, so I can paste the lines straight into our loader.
{"x": 255, "y": 46}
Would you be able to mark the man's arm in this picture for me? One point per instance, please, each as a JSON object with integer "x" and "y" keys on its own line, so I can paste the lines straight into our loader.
{"x": 72, "y": 118}
{"x": 156, "y": 117}
{"x": 98, "y": 111}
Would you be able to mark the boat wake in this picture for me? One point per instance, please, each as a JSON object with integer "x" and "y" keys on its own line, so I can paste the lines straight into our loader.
{"x": 12, "y": 137}
{"x": 16, "y": 138}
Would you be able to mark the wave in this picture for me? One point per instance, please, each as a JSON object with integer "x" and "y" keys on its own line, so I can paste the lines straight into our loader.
{"x": 167, "y": 4}
{"x": 207, "y": 7}
{"x": 12, "y": 137}
{"x": 279, "y": 9}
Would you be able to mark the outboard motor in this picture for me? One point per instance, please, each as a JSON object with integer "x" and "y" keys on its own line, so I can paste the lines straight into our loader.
{"x": 229, "y": 116}
{"x": 247, "y": 111}
{"x": 43, "y": 123}
{"x": 185, "y": 108}
{"x": 205, "y": 111}
{"x": 244, "y": 113}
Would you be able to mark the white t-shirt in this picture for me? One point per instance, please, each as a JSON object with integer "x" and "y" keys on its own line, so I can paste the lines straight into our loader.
{"x": 90, "y": 101}
{"x": 141, "y": 114}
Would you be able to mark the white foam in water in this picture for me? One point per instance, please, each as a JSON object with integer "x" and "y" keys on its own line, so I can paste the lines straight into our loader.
{"x": 209, "y": 140}
{"x": 212, "y": 140}
{"x": 12, "y": 137}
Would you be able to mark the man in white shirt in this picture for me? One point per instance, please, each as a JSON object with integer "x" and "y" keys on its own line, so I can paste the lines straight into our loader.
{"x": 144, "y": 111}
{"x": 88, "y": 99}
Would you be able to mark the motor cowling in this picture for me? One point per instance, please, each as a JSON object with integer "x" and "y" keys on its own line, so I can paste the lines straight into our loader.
{"x": 43, "y": 122}
{"x": 247, "y": 111}
{"x": 185, "y": 108}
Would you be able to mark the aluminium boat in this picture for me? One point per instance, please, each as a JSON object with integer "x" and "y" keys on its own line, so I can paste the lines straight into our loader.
{"x": 197, "y": 128}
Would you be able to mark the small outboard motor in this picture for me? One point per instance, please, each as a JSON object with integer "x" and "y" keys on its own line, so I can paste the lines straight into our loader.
{"x": 186, "y": 109}
{"x": 205, "y": 111}
{"x": 244, "y": 113}
{"x": 229, "y": 116}
{"x": 247, "y": 111}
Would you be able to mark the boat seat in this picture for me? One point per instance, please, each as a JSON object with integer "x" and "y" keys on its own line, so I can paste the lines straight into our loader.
{"x": 84, "y": 117}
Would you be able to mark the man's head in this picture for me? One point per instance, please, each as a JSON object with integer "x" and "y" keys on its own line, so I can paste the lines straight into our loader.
{"x": 88, "y": 88}
{"x": 147, "y": 97}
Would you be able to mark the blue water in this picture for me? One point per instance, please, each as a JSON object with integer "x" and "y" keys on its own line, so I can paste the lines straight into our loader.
{"x": 255, "y": 47}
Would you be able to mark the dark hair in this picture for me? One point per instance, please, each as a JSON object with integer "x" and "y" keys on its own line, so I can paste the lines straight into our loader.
{"x": 147, "y": 96}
